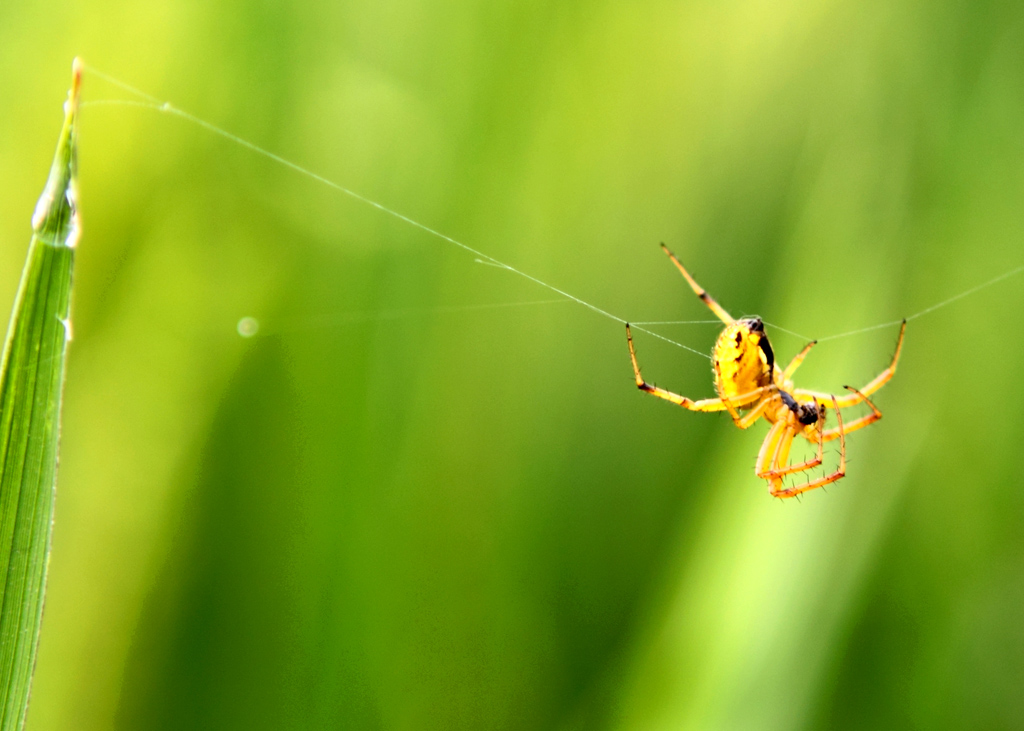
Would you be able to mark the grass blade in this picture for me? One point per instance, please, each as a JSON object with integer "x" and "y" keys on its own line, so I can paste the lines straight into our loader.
{"x": 31, "y": 382}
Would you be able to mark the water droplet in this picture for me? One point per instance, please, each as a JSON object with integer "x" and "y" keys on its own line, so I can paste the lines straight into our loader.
{"x": 248, "y": 326}
{"x": 66, "y": 322}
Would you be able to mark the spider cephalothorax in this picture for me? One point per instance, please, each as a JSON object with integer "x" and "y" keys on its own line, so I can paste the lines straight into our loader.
{"x": 750, "y": 386}
{"x": 806, "y": 414}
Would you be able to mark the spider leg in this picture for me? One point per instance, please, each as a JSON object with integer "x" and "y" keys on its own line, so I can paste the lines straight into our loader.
{"x": 769, "y": 448}
{"x": 709, "y": 404}
{"x": 775, "y": 482}
{"x": 859, "y": 396}
{"x": 797, "y": 360}
{"x": 757, "y": 397}
{"x": 745, "y": 421}
{"x": 858, "y": 423}
{"x": 700, "y": 291}
{"x": 782, "y": 453}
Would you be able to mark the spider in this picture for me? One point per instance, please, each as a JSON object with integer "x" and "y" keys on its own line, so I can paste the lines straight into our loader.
{"x": 748, "y": 381}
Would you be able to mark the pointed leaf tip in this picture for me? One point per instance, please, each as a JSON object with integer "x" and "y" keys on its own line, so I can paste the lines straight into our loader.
{"x": 55, "y": 220}
{"x": 77, "y": 68}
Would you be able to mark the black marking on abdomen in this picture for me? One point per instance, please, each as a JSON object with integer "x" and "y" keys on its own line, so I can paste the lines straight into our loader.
{"x": 766, "y": 348}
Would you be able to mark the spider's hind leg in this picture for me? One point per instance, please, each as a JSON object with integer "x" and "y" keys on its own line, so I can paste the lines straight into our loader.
{"x": 708, "y": 404}
{"x": 876, "y": 383}
{"x": 700, "y": 291}
{"x": 711, "y": 404}
{"x": 797, "y": 360}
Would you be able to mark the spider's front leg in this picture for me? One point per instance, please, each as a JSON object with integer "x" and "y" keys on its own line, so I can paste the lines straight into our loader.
{"x": 858, "y": 423}
{"x": 771, "y": 458}
{"x": 778, "y": 443}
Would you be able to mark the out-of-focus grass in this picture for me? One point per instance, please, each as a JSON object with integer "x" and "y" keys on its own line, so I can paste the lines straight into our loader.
{"x": 475, "y": 520}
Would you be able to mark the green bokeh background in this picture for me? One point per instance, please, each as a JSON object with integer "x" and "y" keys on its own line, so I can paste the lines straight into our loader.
{"x": 383, "y": 514}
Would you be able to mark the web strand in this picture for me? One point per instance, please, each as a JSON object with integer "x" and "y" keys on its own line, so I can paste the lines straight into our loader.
{"x": 168, "y": 108}
{"x": 676, "y": 322}
{"x": 151, "y": 102}
{"x": 280, "y": 325}
{"x": 928, "y": 310}
{"x": 788, "y": 332}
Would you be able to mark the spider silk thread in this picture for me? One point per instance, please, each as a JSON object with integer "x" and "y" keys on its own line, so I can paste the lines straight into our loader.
{"x": 153, "y": 103}
{"x": 168, "y": 108}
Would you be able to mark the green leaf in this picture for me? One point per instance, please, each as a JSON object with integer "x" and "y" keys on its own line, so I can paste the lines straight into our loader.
{"x": 31, "y": 382}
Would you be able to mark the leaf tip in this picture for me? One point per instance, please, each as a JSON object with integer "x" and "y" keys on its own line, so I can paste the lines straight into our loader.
{"x": 77, "y": 69}
{"x": 56, "y": 216}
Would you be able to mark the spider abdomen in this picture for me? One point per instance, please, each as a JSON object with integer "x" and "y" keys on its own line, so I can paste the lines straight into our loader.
{"x": 743, "y": 361}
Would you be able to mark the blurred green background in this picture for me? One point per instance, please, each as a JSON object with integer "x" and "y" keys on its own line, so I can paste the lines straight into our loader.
{"x": 441, "y": 519}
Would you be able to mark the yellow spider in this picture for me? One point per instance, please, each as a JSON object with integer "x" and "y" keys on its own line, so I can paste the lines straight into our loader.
{"x": 747, "y": 380}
